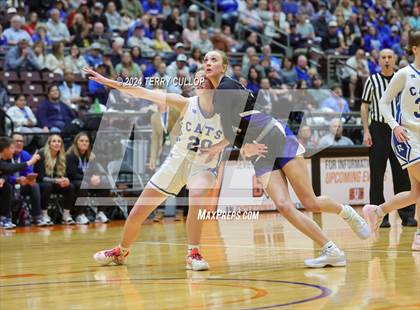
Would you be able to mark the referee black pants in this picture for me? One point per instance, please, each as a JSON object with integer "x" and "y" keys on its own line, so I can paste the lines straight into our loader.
{"x": 379, "y": 153}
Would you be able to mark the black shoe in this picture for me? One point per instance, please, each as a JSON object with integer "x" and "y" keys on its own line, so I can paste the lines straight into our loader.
{"x": 410, "y": 222}
{"x": 385, "y": 224}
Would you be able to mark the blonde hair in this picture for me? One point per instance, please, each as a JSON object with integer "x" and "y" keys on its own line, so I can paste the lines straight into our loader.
{"x": 74, "y": 149}
{"x": 60, "y": 161}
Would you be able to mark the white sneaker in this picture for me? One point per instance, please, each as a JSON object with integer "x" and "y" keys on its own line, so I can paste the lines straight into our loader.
{"x": 44, "y": 221}
{"x": 112, "y": 256}
{"x": 333, "y": 257}
{"x": 357, "y": 223}
{"x": 68, "y": 220}
{"x": 195, "y": 261}
{"x": 101, "y": 217}
{"x": 81, "y": 219}
{"x": 6, "y": 223}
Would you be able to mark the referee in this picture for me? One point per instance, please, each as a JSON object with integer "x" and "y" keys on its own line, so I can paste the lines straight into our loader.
{"x": 377, "y": 136}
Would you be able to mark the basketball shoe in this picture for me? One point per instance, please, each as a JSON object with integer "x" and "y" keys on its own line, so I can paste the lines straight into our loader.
{"x": 356, "y": 222}
{"x": 195, "y": 261}
{"x": 115, "y": 256}
{"x": 331, "y": 255}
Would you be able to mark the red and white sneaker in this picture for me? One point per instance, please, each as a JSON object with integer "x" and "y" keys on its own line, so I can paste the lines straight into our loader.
{"x": 195, "y": 261}
{"x": 113, "y": 256}
{"x": 416, "y": 243}
{"x": 372, "y": 218}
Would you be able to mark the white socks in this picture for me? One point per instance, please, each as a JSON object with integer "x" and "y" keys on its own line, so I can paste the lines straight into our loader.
{"x": 345, "y": 212}
{"x": 379, "y": 212}
{"x": 418, "y": 232}
{"x": 66, "y": 213}
{"x": 331, "y": 247}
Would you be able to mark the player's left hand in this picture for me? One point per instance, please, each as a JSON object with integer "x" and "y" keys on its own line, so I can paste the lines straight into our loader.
{"x": 401, "y": 134}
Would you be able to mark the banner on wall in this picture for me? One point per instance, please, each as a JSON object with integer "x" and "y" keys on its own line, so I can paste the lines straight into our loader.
{"x": 240, "y": 189}
{"x": 346, "y": 179}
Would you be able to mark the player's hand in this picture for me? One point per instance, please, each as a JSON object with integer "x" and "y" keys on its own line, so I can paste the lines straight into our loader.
{"x": 210, "y": 152}
{"x": 367, "y": 139}
{"x": 95, "y": 76}
{"x": 95, "y": 180}
{"x": 253, "y": 149}
{"x": 152, "y": 166}
{"x": 401, "y": 134}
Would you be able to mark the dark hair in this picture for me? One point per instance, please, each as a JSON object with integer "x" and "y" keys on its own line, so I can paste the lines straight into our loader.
{"x": 5, "y": 142}
{"x": 413, "y": 40}
{"x": 258, "y": 74}
{"x": 17, "y": 97}
{"x": 51, "y": 86}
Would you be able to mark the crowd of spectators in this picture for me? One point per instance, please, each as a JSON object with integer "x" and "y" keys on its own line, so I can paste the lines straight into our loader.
{"x": 275, "y": 45}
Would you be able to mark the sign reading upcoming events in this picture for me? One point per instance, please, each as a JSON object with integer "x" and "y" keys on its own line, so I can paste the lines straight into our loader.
{"x": 346, "y": 179}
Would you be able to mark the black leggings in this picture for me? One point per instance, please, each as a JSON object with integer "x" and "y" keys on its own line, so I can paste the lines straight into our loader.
{"x": 48, "y": 188}
{"x": 6, "y": 193}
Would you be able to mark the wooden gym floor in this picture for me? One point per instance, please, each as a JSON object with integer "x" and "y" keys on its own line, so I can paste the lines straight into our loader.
{"x": 254, "y": 265}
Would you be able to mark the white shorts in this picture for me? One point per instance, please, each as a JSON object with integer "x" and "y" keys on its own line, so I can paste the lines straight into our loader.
{"x": 176, "y": 171}
{"x": 408, "y": 153}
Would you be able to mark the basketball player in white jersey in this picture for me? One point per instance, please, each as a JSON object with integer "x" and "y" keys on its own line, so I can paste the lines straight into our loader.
{"x": 405, "y": 138}
{"x": 200, "y": 128}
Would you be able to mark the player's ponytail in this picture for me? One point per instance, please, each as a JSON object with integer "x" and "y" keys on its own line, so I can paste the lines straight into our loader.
{"x": 413, "y": 40}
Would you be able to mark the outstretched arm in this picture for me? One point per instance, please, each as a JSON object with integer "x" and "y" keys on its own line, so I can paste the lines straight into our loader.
{"x": 157, "y": 96}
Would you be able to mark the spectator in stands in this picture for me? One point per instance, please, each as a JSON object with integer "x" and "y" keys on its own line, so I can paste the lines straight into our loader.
{"x": 306, "y": 30}
{"x": 40, "y": 54}
{"x": 267, "y": 60}
{"x": 117, "y": 50}
{"x": 193, "y": 11}
{"x": 336, "y": 103}
{"x": 4, "y": 98}
{"x": 263, "y": 12}
{"x": 15, "y": 33}
{"x": 139, "y": 39}
{"x": 152, "y": 7}
{"x": 229, "y": 11}
{"x": 21, "y": 58}
{"x": 296, "y": 40}
{"x": 54, "y": 61}
{"x": 254, "y": 61}
{"x": 71, "y": 93}
{"x": 348, "y": 37}
{"x": 272, "y": 28}
{"x": 288, "y": 72}
{"x": 393, "y": 39}
{"x": 75, "y": 61}
{"x": 220, "y": 42}
{"x": 80, "y": 31}
{"x": 127, "y": 68}
{"x": 97, "y": 90}
{"x": 24, "y": 185}
{"x": 400, "y": 47}
{"x": 231, "y": 42}
{"x": 113, "y": 17}
{"x": 372, "y": 40}
{"x": 203, "y": 43}
{"x": 236, "y": 72}
{"x": 31, "y": 26}
{"x": 23, "y": 118}
{"x": 3, "y": 39}
{"x": 161, "y": 75}
{"x": 335, "y": 136}
{"x": 180, "y": 65}
{"x": 78, "y": 158}
{"x": 98, "y": 15}
{"x": 6, "y": 169}
{"x": 306, "y": 7}
{"x": 196, "y": 59}
{"x": 265, "y": 98}
{"x": 274, "y": 78}
{"x": 357, "y": 70}
{"x": 94, "y": 57}
{"x": 52, "y": 177}
{"x": 373, "y": 62}
{"x": 250, "y": 18}
{"x": 53, "y": 114}
{"x": 302, "y": 69}
{"x": 173, "y": 24}
{"x": 251, "y": 41}
{"x": 152, "y": 68}
{"x": 132, "y": 8}
{"x": 306, "y": 138}
{"x": 56, "y": 29}
{"x": 333, "y": 42}
{"x": 159, "y": 43}
{"x": 190, "y": 33}
{"x": 290, "y": 6}
{"x": 41, "y": 35}
{"x": 254, "y": 80}
{"x": 358, "y": 43}
{"x": 99, "y": 36}
{"x": 137, "y": 57}
{"x": 414, "y": 20}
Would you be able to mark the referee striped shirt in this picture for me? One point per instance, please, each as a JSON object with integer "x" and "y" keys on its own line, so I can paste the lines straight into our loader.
{"x": 373, "y": 90}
